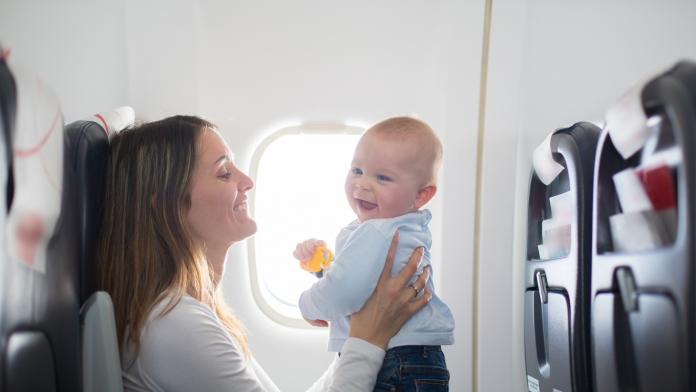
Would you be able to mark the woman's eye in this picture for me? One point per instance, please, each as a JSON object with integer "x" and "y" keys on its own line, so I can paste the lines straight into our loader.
{"x": 383, "y": 178}
{"x": 356, "y": 171}
{"x": 225, "y": 175}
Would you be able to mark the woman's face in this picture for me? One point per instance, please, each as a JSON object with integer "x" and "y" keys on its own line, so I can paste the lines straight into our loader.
{"x": 218, "y": 214}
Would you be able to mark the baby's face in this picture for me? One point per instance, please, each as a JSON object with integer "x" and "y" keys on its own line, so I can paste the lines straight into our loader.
{"x": 384, "y": 180}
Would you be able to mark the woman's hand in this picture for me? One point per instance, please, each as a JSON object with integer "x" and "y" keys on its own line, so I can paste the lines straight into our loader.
{"x": 392, "y": 302}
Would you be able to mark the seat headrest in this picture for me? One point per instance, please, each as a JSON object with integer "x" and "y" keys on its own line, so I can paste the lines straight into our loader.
{"x": 115, "y": 120}
{"x": 545, "y": 167}
{"x": 626, "y": 121}
{"x": 37, "y": 146}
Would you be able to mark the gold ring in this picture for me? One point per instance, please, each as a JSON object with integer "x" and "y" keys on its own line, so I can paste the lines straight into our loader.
{"x": 413, "y": 286}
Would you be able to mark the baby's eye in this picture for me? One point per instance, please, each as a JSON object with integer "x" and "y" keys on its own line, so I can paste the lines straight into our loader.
{"x": 383, "y": 178}
{"x": 356, "y": 171}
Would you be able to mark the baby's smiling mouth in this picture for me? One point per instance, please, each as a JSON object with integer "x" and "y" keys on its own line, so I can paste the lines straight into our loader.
{"x": 366, "y": 205}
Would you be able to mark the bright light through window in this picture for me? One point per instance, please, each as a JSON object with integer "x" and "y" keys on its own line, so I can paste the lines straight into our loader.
{"x": 299, "y": 195}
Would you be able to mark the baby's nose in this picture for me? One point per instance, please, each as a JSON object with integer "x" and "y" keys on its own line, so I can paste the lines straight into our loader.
{"x": 362, "y": 185}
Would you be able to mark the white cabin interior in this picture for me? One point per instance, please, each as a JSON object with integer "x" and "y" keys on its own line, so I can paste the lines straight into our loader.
{"x": 493, "y": 78}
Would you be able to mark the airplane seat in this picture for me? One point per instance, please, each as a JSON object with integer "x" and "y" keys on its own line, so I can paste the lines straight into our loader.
{"x": 88, "y": 142}
{"x": 88, "y": 146}
{"x": 39, "y": 305}
{"x": 557, "y": 265}
{"x": 644, "y": 238}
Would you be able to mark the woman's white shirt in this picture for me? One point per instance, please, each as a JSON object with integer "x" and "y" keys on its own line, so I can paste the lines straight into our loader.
{"x": 188, "y": 349}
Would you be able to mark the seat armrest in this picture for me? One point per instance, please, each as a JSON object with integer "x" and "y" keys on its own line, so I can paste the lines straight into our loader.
{"x": 101, "y": 366}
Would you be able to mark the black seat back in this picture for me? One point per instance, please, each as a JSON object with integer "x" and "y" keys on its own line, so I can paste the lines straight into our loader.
{"x": 87, "y": 151}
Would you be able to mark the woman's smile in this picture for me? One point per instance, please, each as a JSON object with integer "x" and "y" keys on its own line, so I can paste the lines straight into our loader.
{"x": 241, "y": 206}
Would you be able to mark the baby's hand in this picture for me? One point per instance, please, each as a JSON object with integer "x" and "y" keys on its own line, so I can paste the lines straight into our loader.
{"x": 318, "y": 323}
{"x": 305, "y": 249}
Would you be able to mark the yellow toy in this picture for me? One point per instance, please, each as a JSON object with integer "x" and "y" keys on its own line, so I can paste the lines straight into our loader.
{"x": 320, "y": 261}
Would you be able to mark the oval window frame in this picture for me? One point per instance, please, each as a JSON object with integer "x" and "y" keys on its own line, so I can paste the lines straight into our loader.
{"x": 317, "y": 128}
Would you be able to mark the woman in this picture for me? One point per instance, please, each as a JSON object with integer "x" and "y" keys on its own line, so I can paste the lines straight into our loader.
{"x": 175, "y": 203}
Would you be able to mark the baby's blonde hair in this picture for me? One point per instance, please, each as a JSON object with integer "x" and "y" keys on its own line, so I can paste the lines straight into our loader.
{"x": 409, "y": 129}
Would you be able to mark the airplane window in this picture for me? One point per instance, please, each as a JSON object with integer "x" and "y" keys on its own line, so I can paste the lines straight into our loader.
{"x": 299, "y": 174}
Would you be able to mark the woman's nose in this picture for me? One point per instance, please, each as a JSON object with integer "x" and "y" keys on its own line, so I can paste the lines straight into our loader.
{"x": 245, "y": 182}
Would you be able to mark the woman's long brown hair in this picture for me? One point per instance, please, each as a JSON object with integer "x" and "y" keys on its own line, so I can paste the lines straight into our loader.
{"x": 146, "y": 251}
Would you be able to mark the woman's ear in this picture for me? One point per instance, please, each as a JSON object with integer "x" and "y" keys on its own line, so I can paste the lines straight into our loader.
{"x": 425, "y": 194}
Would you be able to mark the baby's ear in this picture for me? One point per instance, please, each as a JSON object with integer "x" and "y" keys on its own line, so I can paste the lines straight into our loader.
{"x": 424, "y": 195}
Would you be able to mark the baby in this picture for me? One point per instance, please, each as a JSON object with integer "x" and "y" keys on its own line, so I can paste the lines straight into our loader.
{"x": 392, "y": 176}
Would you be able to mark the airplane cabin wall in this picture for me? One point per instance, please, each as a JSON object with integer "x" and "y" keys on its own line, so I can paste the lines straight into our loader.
{"x": 551, "y": 64}
{"x": 78, "y": 47}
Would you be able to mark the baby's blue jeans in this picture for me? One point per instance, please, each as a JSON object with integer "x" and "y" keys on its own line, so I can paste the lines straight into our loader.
{"x": 413, "y": 368}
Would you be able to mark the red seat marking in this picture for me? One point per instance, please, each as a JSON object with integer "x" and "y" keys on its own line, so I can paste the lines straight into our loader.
{"x": 106, "y": 126}
{"x": 31, "y": 151}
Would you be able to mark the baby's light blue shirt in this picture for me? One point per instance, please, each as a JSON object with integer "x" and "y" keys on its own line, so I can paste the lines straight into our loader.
{"x": 361, "y": 249}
